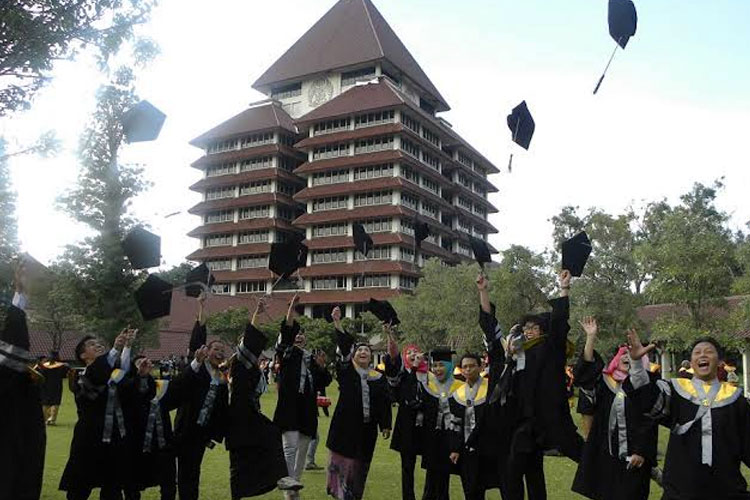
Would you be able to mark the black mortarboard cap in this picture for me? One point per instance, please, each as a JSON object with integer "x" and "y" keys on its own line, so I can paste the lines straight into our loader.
{"x": 384, "y": 311}
{"x": 287, "y": 257}
{"x": 142, "y": 248}
{"x": 196, "y": 278}
{"x": 421, "y": 231}
{"x": 142, "y": 122}
{"x": 254, "y": 340}
{"x": 13, "y": 328}
{"x": 521, "y": 125}
{"x": 575, "y": 253}
{"x": 154, "y": 298}
{"x": 362, "y": 240}
{"x": 442, "y": 354}
{"x": 198, "y": 337}
{"x": 623, "y": 21}
{"x": 481, "y": 251}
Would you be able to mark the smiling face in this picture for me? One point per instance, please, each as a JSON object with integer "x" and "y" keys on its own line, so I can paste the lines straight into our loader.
{"x": 92, "y": 349}
{"x": 704, "y": 360}
{"x": 439, "y": 370}
{"x": 531, "y": 330}
{"x": 412, "y": 353}
{"x": 216, "y": 353}
{"x": 624, "y": 364}
{"x": 362, "y": 356}
{"x": 300, "y": 340}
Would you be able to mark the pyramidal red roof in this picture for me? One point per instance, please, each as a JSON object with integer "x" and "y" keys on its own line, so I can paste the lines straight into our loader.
{"x": 262, "y": 116}
{"x": 352, "y": 32}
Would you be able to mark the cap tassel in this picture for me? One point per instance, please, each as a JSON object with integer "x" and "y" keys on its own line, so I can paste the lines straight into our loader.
{"x": 510, "y": 164}
{"x": 599, "y": 84}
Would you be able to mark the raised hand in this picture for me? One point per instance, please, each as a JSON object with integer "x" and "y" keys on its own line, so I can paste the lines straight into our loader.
{"x": 482, "y": 282}
{"x": 201, "y": 354}
{"x": 590, "y": 326}
{"x": 144, "y": 366}
{"x": 121, "y": 339}
{"x": 336, "y": 315}
{"x": 635, "y": 346}
{"x": 565, "y": 277}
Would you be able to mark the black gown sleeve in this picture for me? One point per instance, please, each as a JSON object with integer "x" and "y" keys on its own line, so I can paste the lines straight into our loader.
{"x": 386, "y": 416}
{"x": 559, "y": 326}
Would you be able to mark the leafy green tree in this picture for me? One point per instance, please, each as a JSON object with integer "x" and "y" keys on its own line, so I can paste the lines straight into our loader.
{"x": 34, "y": 34}
{"x": 8, "y": 226}
{"x": 176, "y": 274}
{"x": 101, "y": 200}
{"x": 229, "y": 324}
{"x": 741, "y": 281}
{"x": 690, "y": 253}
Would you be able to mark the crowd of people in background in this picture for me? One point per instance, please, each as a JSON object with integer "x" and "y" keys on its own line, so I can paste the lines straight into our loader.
{"x": 490, "y": 423}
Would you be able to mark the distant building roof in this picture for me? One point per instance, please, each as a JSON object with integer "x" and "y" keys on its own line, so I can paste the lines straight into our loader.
{"x": 351, "y": 33}
{"x": 267, "y": 115}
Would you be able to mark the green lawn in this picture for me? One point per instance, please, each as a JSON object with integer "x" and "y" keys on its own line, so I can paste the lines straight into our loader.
{"x": 384, "y": 481}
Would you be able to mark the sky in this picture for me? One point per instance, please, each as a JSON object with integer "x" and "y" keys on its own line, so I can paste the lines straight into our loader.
{"x": 672, "y": 111}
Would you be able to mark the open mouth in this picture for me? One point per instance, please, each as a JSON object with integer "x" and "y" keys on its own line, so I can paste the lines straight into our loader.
{"x": 703, "y": 364}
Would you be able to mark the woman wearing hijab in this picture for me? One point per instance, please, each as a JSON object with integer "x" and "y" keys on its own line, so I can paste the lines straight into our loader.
{"x": 438, "y": 390}
{"x": 362, "y": 408}
{"x": 406, "y": 372}
{"x": 620, "y": 449}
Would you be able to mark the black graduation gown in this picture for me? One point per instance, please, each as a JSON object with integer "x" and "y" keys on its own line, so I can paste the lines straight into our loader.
{"x": 256, "y": 456}
{"x": 22, "y": 432}
{"x": 153, "y": 456}
{"x": 537, "y": 404}
{"x": 349, "y": 435}
{"x": 602, "y": 474}
{"x": 53, "y": 383}
{"x": 196, "y": 387}
{"x": 295, "y": 411}
{"x": 407, "y": 391}
{"x": 726, "y": 429}
{"x": 93, "y": 463}
{"x": 436, "y": 445}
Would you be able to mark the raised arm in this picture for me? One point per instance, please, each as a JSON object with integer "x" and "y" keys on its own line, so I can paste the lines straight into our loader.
{"x": 344, "y": 340}
{"x": 260, "y": 308}
{"x": 559, "y": 326}
{"x": 493, "y": 334}
{"x": 200, "y": 318}
{"x": 591, "y": 328}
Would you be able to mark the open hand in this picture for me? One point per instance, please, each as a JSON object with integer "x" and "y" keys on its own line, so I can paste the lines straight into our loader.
{"x": 201, "y": 354}
{"x": 635, "y": 346}
{"x": 589, "y": 326}
{"x": 144, "y": 366}
{"x": 121, "y": 339}
{"x": 336, "y": 314}
{"x": 565, "y": 277}
{"x": 482, "y": 282}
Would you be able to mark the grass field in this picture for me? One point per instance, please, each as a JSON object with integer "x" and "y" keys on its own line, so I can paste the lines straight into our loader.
{"x": 384, "y": 481}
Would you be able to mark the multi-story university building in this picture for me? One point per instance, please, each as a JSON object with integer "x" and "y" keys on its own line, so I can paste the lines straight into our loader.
{"x": 349, "y": 133}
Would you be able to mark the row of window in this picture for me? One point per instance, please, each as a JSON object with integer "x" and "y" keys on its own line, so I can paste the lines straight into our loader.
{"x": 250, "y": 188}
{"x": 258, "y": 163}
{"x": 248, "y": 141}
{"x": 339, "y": 282}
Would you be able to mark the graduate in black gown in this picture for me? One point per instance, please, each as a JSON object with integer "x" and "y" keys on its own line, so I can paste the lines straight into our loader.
{"x": 54, "y": 372}
{"x": 200, "y": 419}
{"x": 99, "y": 454}
{"x": 151, "y": 437}
{"x": 406, "y": 372}
{"x": 438, "y": 391}
{"x": 296, "y": 409}
{"x": 22, "y": 431}
{"x": 533, "y": 393}
{"x": 363, "y": 408}
{"x": 709, "y": 422}
{"x": 256, "y": 458}
{"x": 620, "y": 449}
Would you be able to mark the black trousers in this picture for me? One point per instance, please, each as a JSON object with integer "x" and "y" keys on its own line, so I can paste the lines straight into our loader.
{"x": 105, "y": 493}
{"x": 408, "y": 462}
{"x": 189, "y": 460}
{"x": 528, "y": 465}
{"x": 436, "y": 485}
{"x": 471, "y": 480}
{"x": 167, "y": 474}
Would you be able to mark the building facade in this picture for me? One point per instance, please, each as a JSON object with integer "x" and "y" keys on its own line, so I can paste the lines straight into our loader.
{"x": 349, "y": 134}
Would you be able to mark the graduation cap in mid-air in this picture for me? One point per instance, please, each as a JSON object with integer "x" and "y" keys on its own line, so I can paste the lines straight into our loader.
{"x": 142, "y": 122}
{"x": 362, "y": 240}
{"x": 575, "y": 253}
{"x": 254, "y": 340}
{"x": 623, "y": 21}
{"x": 286, "y": 257}
{"x": 522, "y": 126}
{"x": 444, "y": 354}
{"x": 384, "y": 311}
{"x": 154, "y": 298}
{"x": 197, "y": 280}
{"x": 481, "y": 251}
{"x": 142, "y": 248}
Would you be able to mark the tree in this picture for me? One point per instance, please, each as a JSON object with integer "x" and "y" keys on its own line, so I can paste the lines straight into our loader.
{"x": 741, "y": 282}
{"x": 101, "y": 200}
{"x": 8, "y": 227}
{"x": 609, "y": 288}
{"x": 177, "y": 274}
{"x": 443, "y": 309}
{"x": 690, "y": 253}
{"x": 36, "y": 33}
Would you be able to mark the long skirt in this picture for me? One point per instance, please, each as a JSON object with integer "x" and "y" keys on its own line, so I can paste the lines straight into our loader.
{"x": 346, "y": 477}
{"x": 255, "y": 470}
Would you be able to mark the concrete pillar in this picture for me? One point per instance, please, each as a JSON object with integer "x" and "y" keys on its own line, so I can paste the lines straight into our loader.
{"x": 666, "y": 364}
